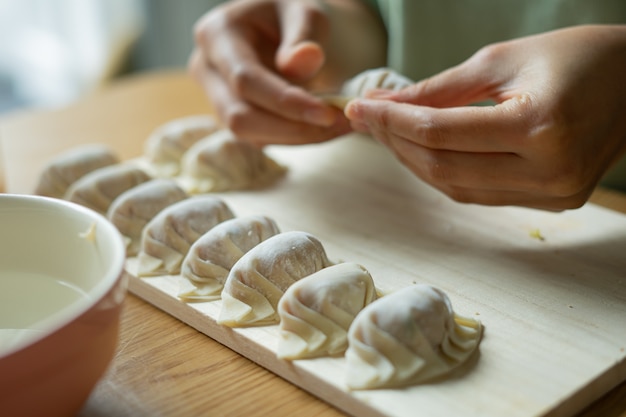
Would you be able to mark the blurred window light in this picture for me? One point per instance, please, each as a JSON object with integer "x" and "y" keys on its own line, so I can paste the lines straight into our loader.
{"x": 54, "y": 51}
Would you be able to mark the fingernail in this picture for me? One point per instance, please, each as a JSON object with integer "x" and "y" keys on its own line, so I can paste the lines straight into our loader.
{"x": 320, "y": 116}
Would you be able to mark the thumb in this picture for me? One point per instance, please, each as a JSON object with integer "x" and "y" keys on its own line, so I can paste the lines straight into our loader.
{"x": 300, "y": 54}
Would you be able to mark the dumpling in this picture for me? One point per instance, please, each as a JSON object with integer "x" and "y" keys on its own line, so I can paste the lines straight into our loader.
{"x": 360, "y": 84}
{"x": 211, "y": 257}
{"x": 384, "y": 78}
{"x": 99, "y": 188}
{"x": 66, "y": 168}
{"x": 166, "y": 239}
{"x": 259, "y": 279}
{"x": 316, "y": 312}
{"x": 221, "y": 162}
{"x": 408, "y": 337}
{"x": 134, "y": 208}
{"x": 167, "y": 144}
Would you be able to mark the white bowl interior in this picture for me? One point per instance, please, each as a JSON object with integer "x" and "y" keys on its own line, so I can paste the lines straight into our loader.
{"x": 56, "y": 260}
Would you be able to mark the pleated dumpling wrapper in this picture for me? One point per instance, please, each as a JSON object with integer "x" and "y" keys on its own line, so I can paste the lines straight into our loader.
{"x": 317, "y": 311}
{"x": 167, "y": 144}
{"x": 221, "y": 162}
{"x": 131, "y": 211}
{"x": 408, "y": 337}
{"x": 98, "y": 189}
{"x": 360, "y": 84}
{"x": 166, "y": 239}
{"x": 259, "y": 279}
{"x": 68, "y": 167}
{"x": 212, "y": 256}
{"x": 377, "y": 78}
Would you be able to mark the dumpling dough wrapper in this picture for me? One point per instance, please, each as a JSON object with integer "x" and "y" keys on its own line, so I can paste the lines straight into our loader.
{"x": 259, "y": 279}
{"x": 360, "y": 84}
{"x": 167, "y": 144}
{"x": 221, "y": 162}
{"x": 98, "y": 189}
{"x": 317, "y": 311}
{"x": 166, "y": 239}
{"x": 408, "y": 337}
{"x": 212, "y": 256}
{"x": 68, "y": 167}
{"x": 131, "y": 211}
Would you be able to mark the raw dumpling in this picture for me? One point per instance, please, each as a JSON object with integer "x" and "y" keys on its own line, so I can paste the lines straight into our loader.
{"x": 167, "y": 144}
{"x": 408, "y": 337}
{"x": 384, "y": 78}
{"x": 316, "y": 312}
{"x": 166, "y": 239}
{"x": 220, "y": 162}
{"x": 211, "y": 257}
{"x": 68, "y": 167}
{"x": 259, "y": 279}
{"x": 99, "y": 188}
{"x": 131, "y": 211}
{"x": 359, "y": 85}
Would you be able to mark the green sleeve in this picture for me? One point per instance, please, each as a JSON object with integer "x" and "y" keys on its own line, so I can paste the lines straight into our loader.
{"x": 372, "y": 3}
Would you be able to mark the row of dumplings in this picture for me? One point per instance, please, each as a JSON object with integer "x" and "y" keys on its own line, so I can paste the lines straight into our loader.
{"x": 191, "y": 150}
{"x": 327, "y": 309}
{"x": 267, "y": 277}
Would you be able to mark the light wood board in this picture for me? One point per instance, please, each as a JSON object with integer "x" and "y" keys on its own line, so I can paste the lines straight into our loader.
{"x": 550, "y": 288}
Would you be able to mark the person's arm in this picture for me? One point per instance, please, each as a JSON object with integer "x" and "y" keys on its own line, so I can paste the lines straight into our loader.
{"x": 257, "y": 60}
{"x": 558, "y": 124}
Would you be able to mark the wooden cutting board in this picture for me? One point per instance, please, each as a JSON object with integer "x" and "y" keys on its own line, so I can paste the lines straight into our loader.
{"x": 550, "y": 288}
{"x": 553, "y": 309}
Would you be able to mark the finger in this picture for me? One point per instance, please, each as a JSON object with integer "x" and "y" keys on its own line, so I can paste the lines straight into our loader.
{"x": 258, "y": 126}
{"x": 513, "y": 198}
{"x": 264, "y": 128}
{"x": 473, "y": 81}
{"x": 301, "y": 62}
{"x": 488, "y": 179}
{"x": 236, "y": 54}
{"x": 304, "y": 28}
{"x": 253, "y": 82}
{"x": 500, "y": 128}
{"x": 488, "y": 171}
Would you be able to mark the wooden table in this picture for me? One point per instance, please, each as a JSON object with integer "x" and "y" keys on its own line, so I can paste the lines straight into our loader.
{"x": 158, "y": 370}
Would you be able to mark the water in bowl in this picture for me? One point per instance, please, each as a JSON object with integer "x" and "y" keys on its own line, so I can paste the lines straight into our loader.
{"x": 28, "y": 298}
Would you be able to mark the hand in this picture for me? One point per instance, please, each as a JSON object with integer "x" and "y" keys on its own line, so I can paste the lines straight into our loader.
{"x": 557, "y": 125}
{"x": 255, "y": 60}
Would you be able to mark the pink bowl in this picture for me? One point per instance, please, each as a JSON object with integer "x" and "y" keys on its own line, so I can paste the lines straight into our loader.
{"x": 62, "y": 284}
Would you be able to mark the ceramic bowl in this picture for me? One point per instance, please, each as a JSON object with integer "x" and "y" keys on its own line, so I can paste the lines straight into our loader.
{"x": 62, "y": 283}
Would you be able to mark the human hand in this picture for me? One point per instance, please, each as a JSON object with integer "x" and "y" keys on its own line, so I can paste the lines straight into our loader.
{"x": 255, "y": 60}
{"x": 557, "y": 125}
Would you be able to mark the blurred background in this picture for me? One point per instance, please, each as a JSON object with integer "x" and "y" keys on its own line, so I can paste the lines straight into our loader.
{"x": 54, "y": 51}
